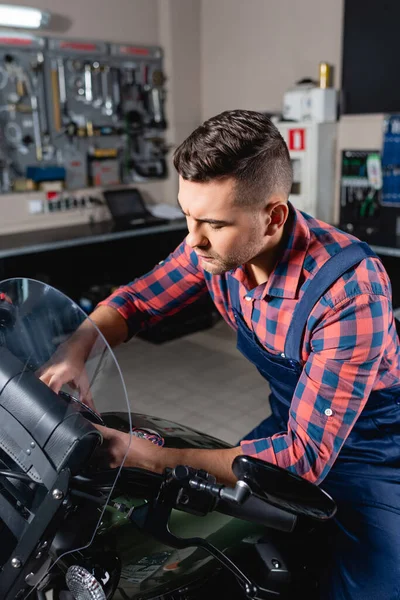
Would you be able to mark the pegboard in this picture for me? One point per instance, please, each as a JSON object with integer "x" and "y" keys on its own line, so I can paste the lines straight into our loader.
{"x": 80, "y": 113}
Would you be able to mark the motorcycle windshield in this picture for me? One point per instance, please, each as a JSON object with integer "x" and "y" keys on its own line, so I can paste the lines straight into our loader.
{"x": 55, "y": 475}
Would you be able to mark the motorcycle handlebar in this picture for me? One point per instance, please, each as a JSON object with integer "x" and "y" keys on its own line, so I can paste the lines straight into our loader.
{"x": 237, "y": 502}
{"x": 257, "y": 510}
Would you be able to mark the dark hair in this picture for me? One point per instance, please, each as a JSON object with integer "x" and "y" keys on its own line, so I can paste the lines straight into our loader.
{"x": 242, "y": 144}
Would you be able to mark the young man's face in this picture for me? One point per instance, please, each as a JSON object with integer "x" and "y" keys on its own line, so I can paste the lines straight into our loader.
{"x": 223, "y": 234}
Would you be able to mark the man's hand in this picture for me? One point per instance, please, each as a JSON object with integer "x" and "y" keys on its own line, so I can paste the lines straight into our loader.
{"x": 67, "y": 366}
{"x": 142, "y": 453}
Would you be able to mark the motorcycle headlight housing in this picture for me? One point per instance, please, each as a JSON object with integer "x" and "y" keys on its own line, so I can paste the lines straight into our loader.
{"x": 83, "y": 585}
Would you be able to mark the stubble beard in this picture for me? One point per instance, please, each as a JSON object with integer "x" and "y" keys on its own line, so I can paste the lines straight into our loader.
{"x": 234, "y": 260}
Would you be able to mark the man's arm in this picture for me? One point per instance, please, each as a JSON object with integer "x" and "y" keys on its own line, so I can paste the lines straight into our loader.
{"x": 336, "y": 381}
{"x": 171, "y": 286}
{"x": 168, "y": 288}
{"x": 216, "y": 462}
{"x": 145, "y": 455}
{"x": 67, "y": 363}
{"x": 111, "y": 324}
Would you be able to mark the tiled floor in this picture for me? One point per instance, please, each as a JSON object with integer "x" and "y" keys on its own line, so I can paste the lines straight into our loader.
{"x": 200, "y": 380}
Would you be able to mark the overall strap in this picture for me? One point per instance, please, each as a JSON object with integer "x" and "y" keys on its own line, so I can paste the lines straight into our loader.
{"x": 330, "y": 272}
{"x": 234, "y": 294}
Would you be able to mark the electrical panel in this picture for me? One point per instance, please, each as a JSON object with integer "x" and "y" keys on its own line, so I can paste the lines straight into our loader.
{"x": 368, "y": 198}
{"x": 79, "y": 113}
{"x": 360, "y": 191}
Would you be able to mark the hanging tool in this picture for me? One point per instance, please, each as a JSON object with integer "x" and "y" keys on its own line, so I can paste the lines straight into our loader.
{"x": 145, "y": 89}
{"x": 88, "y": 83}
{"x": 31, "y": 89}
{"x": 36, "y": 127}
{"x": 97, "y": 85}
{"x": 157, "y": 100}
{"x": 16, "y": 74}
{"x": 62, "y": 86}
{"x": 20, "y": 87}
{"x": 108, "y": 102}
{"x": 116, "y": 90}
{"x": 37, "y": 71}
{"x": 156, "y": 107}
{"x": 55, "y": 92}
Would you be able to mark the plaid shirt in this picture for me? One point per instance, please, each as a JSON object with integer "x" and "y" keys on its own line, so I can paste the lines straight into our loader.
{"x": 350, "y": 347}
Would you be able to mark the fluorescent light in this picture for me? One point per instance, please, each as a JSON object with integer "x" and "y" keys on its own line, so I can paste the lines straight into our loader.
{"x": 23, "y": 16}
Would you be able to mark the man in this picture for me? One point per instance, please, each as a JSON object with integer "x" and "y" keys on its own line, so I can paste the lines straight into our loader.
{"x": 323, "y": 336}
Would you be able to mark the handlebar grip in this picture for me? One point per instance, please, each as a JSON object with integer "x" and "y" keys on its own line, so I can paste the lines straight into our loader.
{"x": 256, "y": 510}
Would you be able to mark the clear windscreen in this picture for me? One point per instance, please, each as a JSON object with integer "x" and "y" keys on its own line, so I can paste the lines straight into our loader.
{"x": 51, "y": 432}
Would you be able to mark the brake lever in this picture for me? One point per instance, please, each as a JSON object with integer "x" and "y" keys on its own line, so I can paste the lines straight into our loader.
{"x": 154, "y": 517}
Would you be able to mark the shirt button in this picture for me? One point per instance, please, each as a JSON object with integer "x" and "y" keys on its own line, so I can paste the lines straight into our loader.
{"x": 283, "y": 355}
{"x": 328, "y": 412}
{"x": 248, "y": 298}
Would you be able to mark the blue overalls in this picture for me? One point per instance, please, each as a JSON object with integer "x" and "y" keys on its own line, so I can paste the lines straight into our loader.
{"x": 364, "y": 547}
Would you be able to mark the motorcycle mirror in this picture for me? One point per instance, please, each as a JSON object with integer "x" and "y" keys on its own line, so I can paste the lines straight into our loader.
{"x": 283, "y": 489}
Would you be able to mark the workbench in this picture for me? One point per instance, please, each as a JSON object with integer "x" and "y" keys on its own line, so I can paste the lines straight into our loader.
{"x": 76, "y": 258}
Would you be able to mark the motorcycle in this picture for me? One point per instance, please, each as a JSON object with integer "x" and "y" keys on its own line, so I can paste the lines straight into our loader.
{"x": 73, "y": 530}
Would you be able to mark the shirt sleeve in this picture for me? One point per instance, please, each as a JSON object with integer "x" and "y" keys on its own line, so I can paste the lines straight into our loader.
{"x": 346, "y": 351}
{"x": 171, "y": 286}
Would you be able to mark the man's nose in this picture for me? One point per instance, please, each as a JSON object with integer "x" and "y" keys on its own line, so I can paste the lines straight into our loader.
{"x": 195, "y": 237}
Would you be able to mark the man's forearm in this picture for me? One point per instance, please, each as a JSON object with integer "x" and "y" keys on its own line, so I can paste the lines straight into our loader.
{"x": 216, "y": 462}
{"x": 111, "y": 324}
{"x": 145, "y": 455}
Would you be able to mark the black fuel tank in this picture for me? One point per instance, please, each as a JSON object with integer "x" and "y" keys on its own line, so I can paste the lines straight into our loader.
{"x": 174, "y": 434}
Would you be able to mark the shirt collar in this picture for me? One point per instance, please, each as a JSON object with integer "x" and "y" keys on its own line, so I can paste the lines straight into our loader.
{"x": 284, "y": 279}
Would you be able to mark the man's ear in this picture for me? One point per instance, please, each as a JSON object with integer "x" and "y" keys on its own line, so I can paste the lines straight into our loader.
{"x": 277, "y": 212}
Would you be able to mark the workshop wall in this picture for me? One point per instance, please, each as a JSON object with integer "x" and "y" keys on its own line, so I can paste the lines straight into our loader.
{"x": 118, "y": 20}
{"x": 253, "y": 51}
{"x": 179, "y": 23}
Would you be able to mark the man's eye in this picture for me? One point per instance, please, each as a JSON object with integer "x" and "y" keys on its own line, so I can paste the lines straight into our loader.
{"x": 213, "y": 226}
